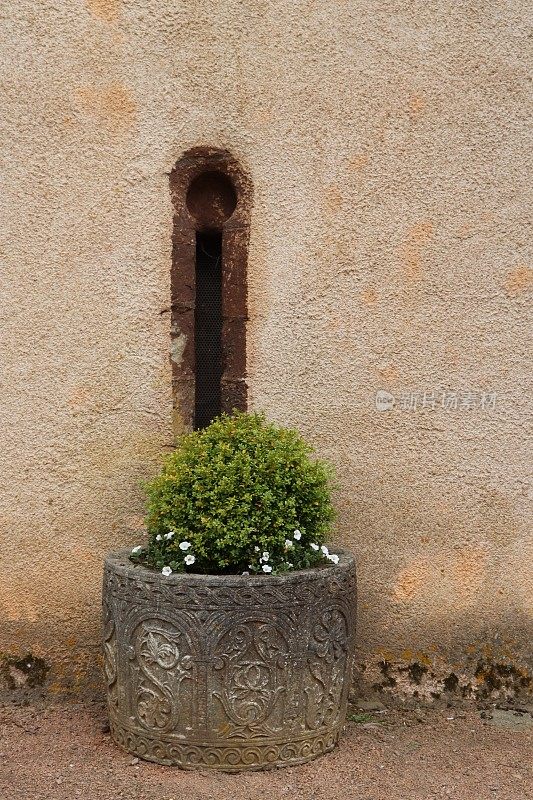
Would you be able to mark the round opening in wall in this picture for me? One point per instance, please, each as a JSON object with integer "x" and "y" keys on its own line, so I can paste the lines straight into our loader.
{"x": 211, "y": 199}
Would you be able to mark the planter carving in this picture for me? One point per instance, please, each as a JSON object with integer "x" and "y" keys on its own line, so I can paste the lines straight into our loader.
{"x": 228, "y": 672}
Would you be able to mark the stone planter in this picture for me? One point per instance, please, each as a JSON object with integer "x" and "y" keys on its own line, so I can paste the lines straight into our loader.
{"x": 228, "y": 672}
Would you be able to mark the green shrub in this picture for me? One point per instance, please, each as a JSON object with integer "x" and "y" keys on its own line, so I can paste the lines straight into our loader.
{"x": 241, "y": 495}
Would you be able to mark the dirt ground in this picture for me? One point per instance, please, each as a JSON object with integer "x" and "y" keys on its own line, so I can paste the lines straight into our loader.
{"x": 64, "y": 752}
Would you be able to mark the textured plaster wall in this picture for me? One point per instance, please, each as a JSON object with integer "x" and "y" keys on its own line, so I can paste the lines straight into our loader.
{"x": 388, "y": 147}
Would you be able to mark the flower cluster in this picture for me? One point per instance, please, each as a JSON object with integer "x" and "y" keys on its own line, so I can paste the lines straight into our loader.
{"x": 296, "y": 554}
{"x": 173, "y": 565}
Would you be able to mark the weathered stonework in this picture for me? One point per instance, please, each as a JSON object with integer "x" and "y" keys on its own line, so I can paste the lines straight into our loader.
{"x": 228, "y": 672}
{"x": 387, "y": 146}
{"x": 209, "y": 191}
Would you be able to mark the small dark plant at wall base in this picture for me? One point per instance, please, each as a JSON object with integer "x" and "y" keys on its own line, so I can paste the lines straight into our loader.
{"x": 240, "y": 496}
{"x": 229, "y": 636}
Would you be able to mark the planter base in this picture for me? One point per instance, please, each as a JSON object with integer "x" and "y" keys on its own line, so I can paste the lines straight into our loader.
{"x": 245, "y": 756}
{"x": 228, "y": 672}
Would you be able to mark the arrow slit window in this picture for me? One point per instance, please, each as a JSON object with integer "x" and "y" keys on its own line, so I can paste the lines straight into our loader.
{"x": 211, "y": 197}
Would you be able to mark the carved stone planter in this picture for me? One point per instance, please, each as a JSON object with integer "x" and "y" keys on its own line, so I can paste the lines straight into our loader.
{"x": 228, "y": 672}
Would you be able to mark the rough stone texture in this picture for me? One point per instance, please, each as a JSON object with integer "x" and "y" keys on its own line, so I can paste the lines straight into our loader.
{"x": 228, "y": 672}
{"x": 389, "y": 153}
{"x": 210, "y": 208}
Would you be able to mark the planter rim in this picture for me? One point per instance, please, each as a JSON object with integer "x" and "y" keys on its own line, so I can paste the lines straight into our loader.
{"x": 119, "y": 559}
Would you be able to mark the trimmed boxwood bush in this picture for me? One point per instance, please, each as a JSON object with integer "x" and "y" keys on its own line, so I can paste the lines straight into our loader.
{"x": 241, "y": 495}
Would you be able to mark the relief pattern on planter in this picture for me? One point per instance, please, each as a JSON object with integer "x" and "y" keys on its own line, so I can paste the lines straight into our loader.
{"x": 248, "y": 679}
{"x": 110, "y": 656}
{"x": 223, "y": 672}
{"x": 161, "y": 666}
{"x": 326, "y": 669}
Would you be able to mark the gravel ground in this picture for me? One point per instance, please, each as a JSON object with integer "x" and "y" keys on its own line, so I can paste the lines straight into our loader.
{"x": 64, "y": 752}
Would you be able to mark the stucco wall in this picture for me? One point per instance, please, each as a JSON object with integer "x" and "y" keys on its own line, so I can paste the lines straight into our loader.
{"x": 388, "y": 148}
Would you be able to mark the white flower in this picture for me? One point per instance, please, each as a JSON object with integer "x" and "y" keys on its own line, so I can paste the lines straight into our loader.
{"x": 245, "y": 572}
{"x": 158, "y": 537}
{"x": 169, "y": 535}
{"x": 314, "y": 546}
{"x": 256, "y": 548}
{"x": 333, "y": 557}
{"x": 290, "y": 566}
{"x": 250, "y": 566}
{"x": 265, "y": 556}
{"x": 288, "y": 544}
{"x": 184, "y": 545}
{"x": 325, "y": 550}
{"x": 166, "y": 571}
{"x": 267, "y": 568}
{"x": 297, "y": 535}
{"x": 136, "y": 549}
{"x": 190, "y": 559}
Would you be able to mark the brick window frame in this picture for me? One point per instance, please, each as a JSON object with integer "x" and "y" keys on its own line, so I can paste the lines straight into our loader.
{"x": 201, "y": 204}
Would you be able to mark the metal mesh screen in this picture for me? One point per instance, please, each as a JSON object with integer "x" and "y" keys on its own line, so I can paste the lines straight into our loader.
{"x": 208, "y": 328}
